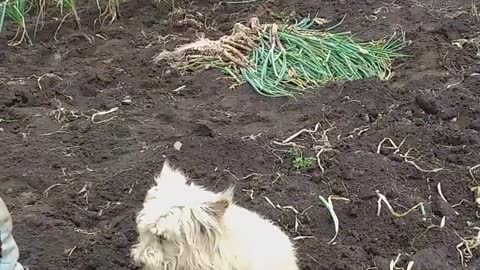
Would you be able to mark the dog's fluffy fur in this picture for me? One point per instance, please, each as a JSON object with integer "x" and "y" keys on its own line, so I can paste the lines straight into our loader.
{"x": 185, "y": 227}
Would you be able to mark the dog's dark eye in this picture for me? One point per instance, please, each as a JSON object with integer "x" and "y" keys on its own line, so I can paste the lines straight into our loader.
{"x": 161, "y": 237}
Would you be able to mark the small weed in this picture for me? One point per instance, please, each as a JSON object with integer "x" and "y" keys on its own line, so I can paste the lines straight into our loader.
{"x": 299, "y": 161}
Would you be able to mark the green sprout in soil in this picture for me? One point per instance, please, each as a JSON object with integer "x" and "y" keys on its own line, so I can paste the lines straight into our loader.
{"x": 299, "y": 161}
{"x": 15, "y": 11}
{"x": 288, "y": 59}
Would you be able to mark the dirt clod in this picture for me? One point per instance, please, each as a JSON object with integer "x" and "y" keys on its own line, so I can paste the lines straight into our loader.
{"x": 427, "y": 104}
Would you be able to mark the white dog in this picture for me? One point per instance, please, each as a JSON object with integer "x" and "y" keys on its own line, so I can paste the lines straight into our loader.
{"x": 185, "y": 227}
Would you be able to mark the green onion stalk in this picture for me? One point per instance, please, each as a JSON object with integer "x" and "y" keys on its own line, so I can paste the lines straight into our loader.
{"x": 71, "y": 7}
{"x": 15, "y": 11}
{"x": 295, "y": 59}
{"x": 287, "y": 60}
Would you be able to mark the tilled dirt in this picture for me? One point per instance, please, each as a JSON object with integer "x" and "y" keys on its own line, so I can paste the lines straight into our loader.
{"x": 74, "y": 183}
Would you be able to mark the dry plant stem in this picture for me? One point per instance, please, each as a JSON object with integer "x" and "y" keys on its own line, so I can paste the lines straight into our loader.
{"x": 113, "y": 12}
{"x": 326, "y": 147}
{"x": 459, "y": 203}
{"x": 45, "y": 192}
{"x": 300, "y": 132}
{"x": 60, "y": 26}
{"x": 76, "y": 19}
{"x": 440, "y": 192}
{"x": 439, "y": 188}
{"x": 236, "y": 52}
{"x": 382, "y": 197}
{"x": 230, "y": 50}
{"x": 442, "y": 222}
{"x": 441, "y": 226}
{"x": 288, "y": 144}
{"x": 303, "y": 237}
{"x": 476, "y": 192}
{"x": 20, "y": 36}
{"x": 48, "y": 75}
{"x": 392, "y": 143}
{"x": 178, "y": 89}
{"x": 329, "y": 204}
{"x": 471, "y": 172}
{"x": 103, "y": 113}
{"x": 318, "y": 161}
{"x": 418, "y": 167}
{"x": 405, "y": 156}
{"x": 238, "y": 45}
{"x": 269, "y": 202}
{"x": 469, "y": 244}
{"x": 42, "y": 5}
{"x": 393, "y": 264}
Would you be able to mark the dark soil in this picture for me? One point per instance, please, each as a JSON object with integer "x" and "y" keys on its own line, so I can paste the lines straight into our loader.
{"x": 74, "y": 186}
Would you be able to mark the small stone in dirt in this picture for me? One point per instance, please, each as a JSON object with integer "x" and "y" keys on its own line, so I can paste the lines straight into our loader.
{"x": 105, "y": 78}
{"x": 475, "y": 125}
{"x": 2, "y": 130}
{"x": 447, "y": 115}
{"x": 353, "y": 173}
{"x": 177, "y": 146}
{"x": 428, "y": 105}
{"x": 366, "y": 118}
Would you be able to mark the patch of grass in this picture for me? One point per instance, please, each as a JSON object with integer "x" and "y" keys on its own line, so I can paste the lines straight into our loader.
{"x": 15, "y": 11}
{"x": 299, "y": 161}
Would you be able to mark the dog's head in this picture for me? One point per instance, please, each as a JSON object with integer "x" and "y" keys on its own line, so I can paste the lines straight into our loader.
{"x": 179, "y": 222}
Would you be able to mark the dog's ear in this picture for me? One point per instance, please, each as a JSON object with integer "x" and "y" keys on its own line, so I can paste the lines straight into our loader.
{"x": 219, "y": 206}
{"x": 170, "y": 176}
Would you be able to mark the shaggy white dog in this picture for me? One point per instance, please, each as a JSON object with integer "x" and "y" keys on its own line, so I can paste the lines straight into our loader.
{"x": 185, "y": 227}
